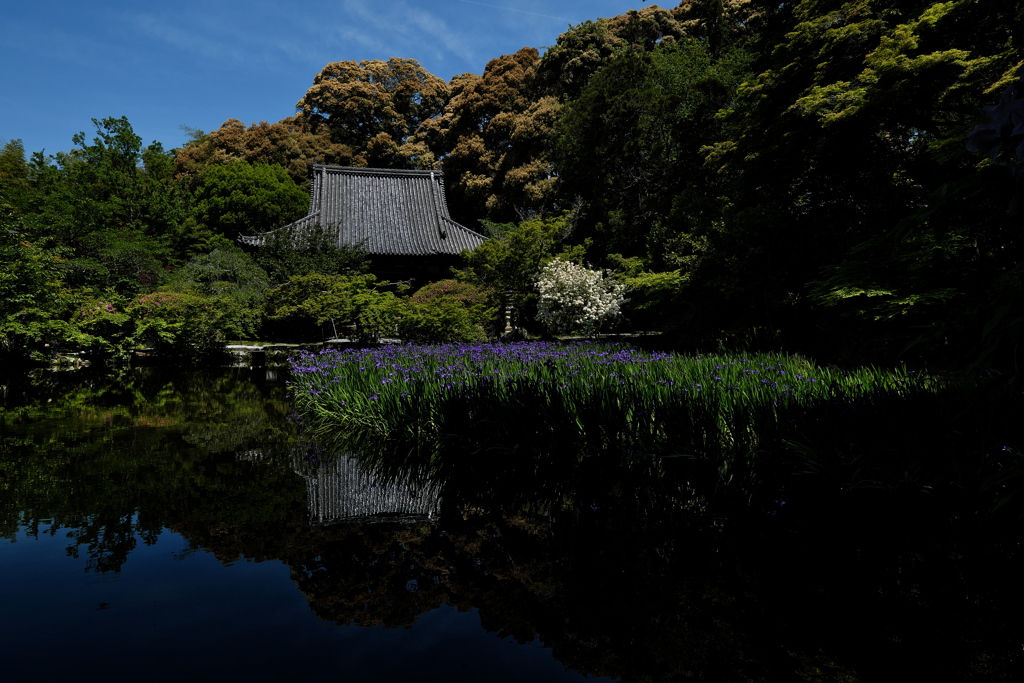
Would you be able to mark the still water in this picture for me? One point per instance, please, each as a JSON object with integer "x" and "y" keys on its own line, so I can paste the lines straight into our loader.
{"x": 167, "y": 525}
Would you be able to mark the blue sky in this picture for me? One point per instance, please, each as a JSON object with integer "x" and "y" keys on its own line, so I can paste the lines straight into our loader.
{"x": 198, "y": 63}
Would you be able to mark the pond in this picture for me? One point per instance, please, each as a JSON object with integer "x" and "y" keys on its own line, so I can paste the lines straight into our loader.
{"x": 166, "y": 524}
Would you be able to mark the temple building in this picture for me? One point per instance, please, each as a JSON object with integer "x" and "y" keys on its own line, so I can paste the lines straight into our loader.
{"x": 399, "y": 217}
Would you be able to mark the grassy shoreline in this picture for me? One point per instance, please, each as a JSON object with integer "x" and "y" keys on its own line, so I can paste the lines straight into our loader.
{"x": 743, "y": 426}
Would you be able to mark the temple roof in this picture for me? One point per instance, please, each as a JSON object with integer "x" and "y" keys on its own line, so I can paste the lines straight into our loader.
{"x": 387, "y": 211}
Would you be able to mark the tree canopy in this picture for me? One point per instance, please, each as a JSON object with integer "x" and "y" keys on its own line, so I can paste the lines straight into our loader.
{"x": 290, "y": 143}
{"x": 376, "y": 108}
{"x": 237, "y": 198}
{"x": 493, "y": 139}
{"x": 837, "y": 175}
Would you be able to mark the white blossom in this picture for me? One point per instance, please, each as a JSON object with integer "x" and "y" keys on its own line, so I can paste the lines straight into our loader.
{"x": 577, "y": 299}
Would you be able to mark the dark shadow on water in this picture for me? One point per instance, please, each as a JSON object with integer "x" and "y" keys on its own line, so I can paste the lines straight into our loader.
{"x": 613, "y": 568}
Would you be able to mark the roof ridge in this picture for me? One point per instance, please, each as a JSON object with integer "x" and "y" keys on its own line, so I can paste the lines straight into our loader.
{"x": 389, "y": 211}
{"x": 362, "y": 170}
{"x": 471, "y": 231}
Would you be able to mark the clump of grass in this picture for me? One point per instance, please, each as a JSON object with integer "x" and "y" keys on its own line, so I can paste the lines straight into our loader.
{"x": 746, "y": 424}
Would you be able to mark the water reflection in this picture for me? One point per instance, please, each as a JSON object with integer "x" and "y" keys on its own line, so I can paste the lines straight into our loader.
{"x": 342, "y": 487}
{"x": 616, "y": 570}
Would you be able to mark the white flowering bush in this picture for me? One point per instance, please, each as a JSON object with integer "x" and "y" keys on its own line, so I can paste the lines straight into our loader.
{"x": 577, "y": 299}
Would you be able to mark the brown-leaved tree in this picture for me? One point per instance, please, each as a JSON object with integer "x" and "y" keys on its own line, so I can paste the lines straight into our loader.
{"x": 376, "y": 108}
{"x": 289, "y": 143}
{"x": 493, "y": 138}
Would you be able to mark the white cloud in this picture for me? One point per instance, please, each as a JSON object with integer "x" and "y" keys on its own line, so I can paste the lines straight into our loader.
{"x": 401, "y": 29}
{"x": 441, "y": 33}
{"x": 191, "y": 39}
{"x": 247, "y": 36}
{"x": 514, "y": 9}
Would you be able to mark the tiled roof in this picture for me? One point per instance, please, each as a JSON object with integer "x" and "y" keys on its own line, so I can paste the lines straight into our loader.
{"x": 343, "y": 489}
{"x": 389, "y": 212}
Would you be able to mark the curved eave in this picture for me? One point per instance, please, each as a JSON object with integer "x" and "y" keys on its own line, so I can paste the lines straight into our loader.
{"x": 386, "y": 212}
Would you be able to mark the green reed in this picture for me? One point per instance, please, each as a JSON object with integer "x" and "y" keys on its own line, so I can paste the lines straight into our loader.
{"x": 738, "y": 422}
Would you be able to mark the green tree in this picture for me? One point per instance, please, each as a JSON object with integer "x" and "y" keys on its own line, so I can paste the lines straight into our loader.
{"x": 15, "y": 185}
{"x": 628, "y": 150}
{"x": 448, "y": 311}
{"x": 854, "y": 129}
{"x": 284, "y": 257}
{"x": 508, "y": 264}
{"x": 112, "y": 203}
{"x": 34, "y": 302}
{"x": 310, "y": 306}
{"x": 237, "y": 198}
{"x": 179, "y": 325}
{"x": 123, "y": 184}
{"x": 232, "y": 279}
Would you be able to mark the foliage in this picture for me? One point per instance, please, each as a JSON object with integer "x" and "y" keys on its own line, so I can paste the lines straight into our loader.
{"x": 898, "y": 86}
{"x": 443, "y": 320}
{"x": 306, "y": 303}
{"x": 743, "y": 427}
{"x": 283, "y": 256}
{"x": 379, "y": 313}
{"x": 111, "y": 204}
{"x": 106, "y": 329}
{"x": 509, "y": 263}
{"x": 493, "y": 138}
{"x": 178, "y": 325}
{"x": 125, "y": 185}
{"x": 493, "y": 229}
{"x": 583, "y": 49}
{"x": 654, "y": 298}
{"x": 463, "y": 292}
{"x": 230, "y": 277}
{"x": 375, "y": 108}
{"x": 448, "y": 311}
{"x": 33, "y": 299}
{"x": 629, "y": 148}
{"x": 237, "y": 198}
{"x": 15, "y": 187}
{"x": 290, "y": 143}
{"x": 577, "y": 299}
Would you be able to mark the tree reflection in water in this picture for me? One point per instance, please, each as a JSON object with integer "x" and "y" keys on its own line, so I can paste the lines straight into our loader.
{"x": 618, "y": 569}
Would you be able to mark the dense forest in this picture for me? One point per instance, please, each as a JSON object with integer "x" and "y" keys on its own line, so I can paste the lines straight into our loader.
{"x": 841, "y": 178}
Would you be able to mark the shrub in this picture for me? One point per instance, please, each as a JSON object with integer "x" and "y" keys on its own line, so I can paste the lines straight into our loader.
{"x": 465, "y": 293}
{"x": 177, "y": 324}
{"x": 34, "y": 300}
{"x": 654, "y": 300}
{"x": 443, "y": 320}
{"x": 508, "y": 262}
{"x": 105, "y": 328}
{"x": 448, "y": 311}
{"x": 378, "y": 314}
{"x": 232, "y": 278}
{"x": 306, "y": 302}
{"x": 285, "y": 255}
{"x": 577, "y": 299}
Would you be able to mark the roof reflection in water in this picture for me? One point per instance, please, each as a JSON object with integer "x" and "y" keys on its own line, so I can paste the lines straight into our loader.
{"x": 339, "y": 488}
